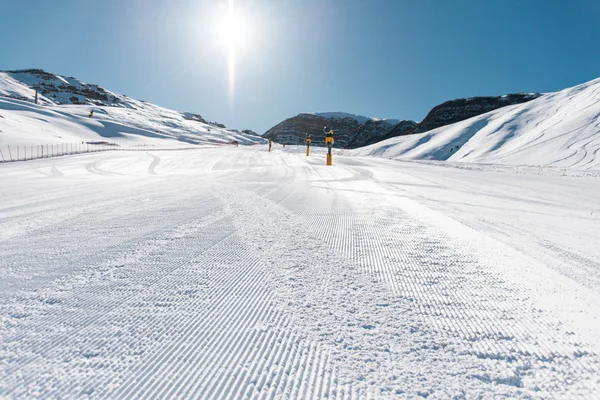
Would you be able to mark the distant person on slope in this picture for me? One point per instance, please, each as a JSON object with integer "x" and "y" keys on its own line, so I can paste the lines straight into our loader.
{"x": 91, "y": 113}
{"x": 270, "y": 143}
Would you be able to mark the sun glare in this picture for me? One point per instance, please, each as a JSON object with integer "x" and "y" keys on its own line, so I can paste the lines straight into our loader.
{"x": 232, "y": 28}
{"x": 232, "y": 35}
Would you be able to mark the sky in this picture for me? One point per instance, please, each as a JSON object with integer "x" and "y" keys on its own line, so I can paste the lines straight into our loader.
{"x": 252, "y": 63}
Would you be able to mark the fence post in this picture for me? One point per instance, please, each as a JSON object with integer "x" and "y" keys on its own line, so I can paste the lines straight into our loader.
{"x": 1, "y": 154}
{"x": 9, "y": 153}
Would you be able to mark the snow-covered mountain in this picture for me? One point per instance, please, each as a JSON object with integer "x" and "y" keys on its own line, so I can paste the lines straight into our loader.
{"x": 351, "y": 131}
{"x": 458, "y": 110}
{"x": 63, "y": 107}
{"x": 557, "y": 129}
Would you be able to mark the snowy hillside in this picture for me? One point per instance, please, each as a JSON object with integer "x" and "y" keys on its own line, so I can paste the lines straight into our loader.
{"x": 64, "y": 104}
{"x": 558, "y": 129}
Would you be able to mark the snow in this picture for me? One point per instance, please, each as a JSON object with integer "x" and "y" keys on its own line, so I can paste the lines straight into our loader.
{"x": 25, "y": 123}
{"x": 10, "y": 87}
{"x": 560, "y": 129}
{"x": 242, "y": 273}
{"x": 128, "y": 121}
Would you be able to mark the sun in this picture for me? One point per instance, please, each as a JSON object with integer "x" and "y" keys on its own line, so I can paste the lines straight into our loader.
{"x": 232, "y": 27}
{"x": 233, "y": 37}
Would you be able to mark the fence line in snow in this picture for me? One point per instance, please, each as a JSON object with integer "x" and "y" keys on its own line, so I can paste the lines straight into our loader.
{"x": 11, "y": 153}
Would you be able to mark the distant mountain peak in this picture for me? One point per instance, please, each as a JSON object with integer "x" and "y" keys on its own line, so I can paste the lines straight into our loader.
{"x": 361, "y": 119}
{"x": 351, "y": 130}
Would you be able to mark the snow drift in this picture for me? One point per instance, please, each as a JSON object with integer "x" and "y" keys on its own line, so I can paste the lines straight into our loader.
{"x": 558, "y": 129}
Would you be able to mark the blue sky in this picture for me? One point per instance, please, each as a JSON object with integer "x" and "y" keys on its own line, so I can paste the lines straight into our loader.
{"x": 381, "y": 58}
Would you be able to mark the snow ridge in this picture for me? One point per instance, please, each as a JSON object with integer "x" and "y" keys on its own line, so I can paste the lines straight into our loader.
{"x": 560, "y": 129}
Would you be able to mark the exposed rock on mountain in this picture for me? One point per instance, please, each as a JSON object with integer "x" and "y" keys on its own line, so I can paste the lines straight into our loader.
{"x": 56, "y": 89}
{"x": 351, "y": 131}
{"x": 558, "y": 130}
{"x": 66, "y": 102}
{"x": 250, "y": 132}
{"x": 458, "y": 110}
{"x": 372, "y": 132}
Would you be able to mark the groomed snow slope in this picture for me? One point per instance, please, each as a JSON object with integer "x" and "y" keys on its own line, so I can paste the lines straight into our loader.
{"x": 239, "y": 273}
{"x": 559, "y": 129}
{"x": 24, "y": 123}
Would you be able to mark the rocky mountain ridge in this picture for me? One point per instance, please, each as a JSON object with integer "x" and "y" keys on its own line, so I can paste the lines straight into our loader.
{"x": 66, "y": 103}
{"x": 356, "y": 131}
{"x": 350, "y": 132}
{"x": 458, "y": 110}
{"x": 559, "y": 130}
{"x": 54, "y": 89}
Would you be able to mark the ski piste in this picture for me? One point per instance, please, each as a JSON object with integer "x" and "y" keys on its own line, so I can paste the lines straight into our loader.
{"x": 236, "y": 272}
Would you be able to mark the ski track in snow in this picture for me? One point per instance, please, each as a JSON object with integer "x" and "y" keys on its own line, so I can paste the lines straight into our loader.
{"x": 237, "y": 273}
